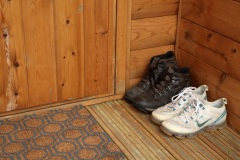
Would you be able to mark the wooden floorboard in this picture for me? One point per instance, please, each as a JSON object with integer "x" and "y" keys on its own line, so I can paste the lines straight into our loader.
{"x": 139, "y": 138}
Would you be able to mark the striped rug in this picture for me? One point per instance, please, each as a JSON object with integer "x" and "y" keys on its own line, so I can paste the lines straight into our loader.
{"x": 70, "y": 133}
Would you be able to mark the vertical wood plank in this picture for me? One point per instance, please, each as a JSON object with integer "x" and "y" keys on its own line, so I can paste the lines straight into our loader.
{"x": 68, "y": 38}
{"x": 177, "y": 27}
{"x": 101, "y": 18}
{"x": 123, "y": 45}
{"x": 81, "y": 65}
{"x": 39, "y": 40}
{"x": 3, "y": 68}
{"x": 3, "y": 62}
{"x": 111, "y": 44}
{"x": 3, "y": 81}
{"x": 89, "y": 38}
{"x": 96, "y": 33}
{"x": 11, "y": 20}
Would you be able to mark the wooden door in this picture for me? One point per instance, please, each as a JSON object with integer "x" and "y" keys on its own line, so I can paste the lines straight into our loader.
{"x": 57, "y": 50}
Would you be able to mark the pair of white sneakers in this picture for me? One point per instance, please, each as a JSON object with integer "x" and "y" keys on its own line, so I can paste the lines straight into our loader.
{"x": 190, "y": 113}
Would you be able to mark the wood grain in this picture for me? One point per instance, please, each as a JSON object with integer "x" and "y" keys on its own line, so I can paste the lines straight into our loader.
{"x": 98, "y": 66}
{"x": 153, "y": 32}
{"x": 104, "y": 125}
{"x": 122, "y": 45}
{"x": 233, "y": 122}
{"x": 153, "y": 8}
{"x": 133, "y": 82}
{"x": 69, "y": 48}
{"x": 3, "y": 68}
{"x": 37, "y": 17}
{"x": 209, "y": 45}
{"x": 140, "y": 59}
{"x": 11, "y": 19}
{"x": 206, "y": 45}
{"x": 221, "y": 16}
{"x": 128, "y": 131}
{"x": 111, "y": 45}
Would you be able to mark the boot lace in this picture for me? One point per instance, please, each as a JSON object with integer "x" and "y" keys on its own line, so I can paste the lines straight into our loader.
{"x": 161, "y": 87}
{"x": 153, "y": 75}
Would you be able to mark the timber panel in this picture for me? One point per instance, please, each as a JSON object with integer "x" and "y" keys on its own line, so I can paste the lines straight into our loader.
{"x": 3, "y": 68}
{"x": 4, "y": 75}
{"x": 218, "y": 16}
{"x": 58, "y": 51}
{"x": 122, "y": 45}
{"x": 153, "y": 32}
{"x": 97, "y": 41}
{"x": 40, "y": 54}
{"x": 15, "y": 74}
{"x": 69, "y": 48}
{"x": 153, "y": 8}
{"x": 209, "y": 46}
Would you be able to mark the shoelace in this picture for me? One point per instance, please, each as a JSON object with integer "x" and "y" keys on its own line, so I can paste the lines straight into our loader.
{"x": 158, "y": 88}
{"x": 169, "y": 80}
{"x": 192, "y": 111}
{"x": 182, "y": 94}
{"x": 152, "y": 76}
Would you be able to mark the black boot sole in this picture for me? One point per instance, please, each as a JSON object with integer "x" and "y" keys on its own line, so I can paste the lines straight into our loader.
{"x": 141, "y": 108}
{"x": 128, "y": 100}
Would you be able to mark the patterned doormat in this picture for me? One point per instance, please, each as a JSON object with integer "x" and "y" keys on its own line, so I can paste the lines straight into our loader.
{"x": 70, "y": 133}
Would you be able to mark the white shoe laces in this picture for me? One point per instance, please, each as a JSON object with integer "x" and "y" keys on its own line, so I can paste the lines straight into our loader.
{"x": 192, "y": 111}
{"x": 183, "y": 94}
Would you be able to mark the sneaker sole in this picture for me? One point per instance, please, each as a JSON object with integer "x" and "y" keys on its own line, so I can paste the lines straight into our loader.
{"x": 193, "y": 135}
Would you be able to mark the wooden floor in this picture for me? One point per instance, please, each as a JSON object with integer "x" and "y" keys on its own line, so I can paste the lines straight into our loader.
{"x": 139, "y": 138}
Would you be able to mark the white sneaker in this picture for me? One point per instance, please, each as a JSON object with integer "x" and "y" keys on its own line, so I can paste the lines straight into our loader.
{"x": 200, "y": 115}
{"x": 179, "y": 102}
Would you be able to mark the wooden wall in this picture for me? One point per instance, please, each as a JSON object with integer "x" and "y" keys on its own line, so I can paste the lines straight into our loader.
{"x": 209, "y": 44}
{"x": 153, "y": 32}
{"x": 57, "y": 51}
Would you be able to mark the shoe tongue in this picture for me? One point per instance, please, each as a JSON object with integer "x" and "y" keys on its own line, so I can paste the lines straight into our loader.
{"x": 170, "y": 70}
{"x": 154, "y": 62}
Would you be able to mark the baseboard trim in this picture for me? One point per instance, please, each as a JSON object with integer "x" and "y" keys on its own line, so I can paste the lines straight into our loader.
{"x": 58, "y": 105}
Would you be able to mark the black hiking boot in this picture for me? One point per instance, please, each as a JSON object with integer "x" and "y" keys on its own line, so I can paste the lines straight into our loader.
{"x": 174, "y": 81}
{"x": 158, "y": 65}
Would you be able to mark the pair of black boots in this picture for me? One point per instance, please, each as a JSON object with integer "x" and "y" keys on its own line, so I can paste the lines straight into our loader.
{"x": 162, "y": 81}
